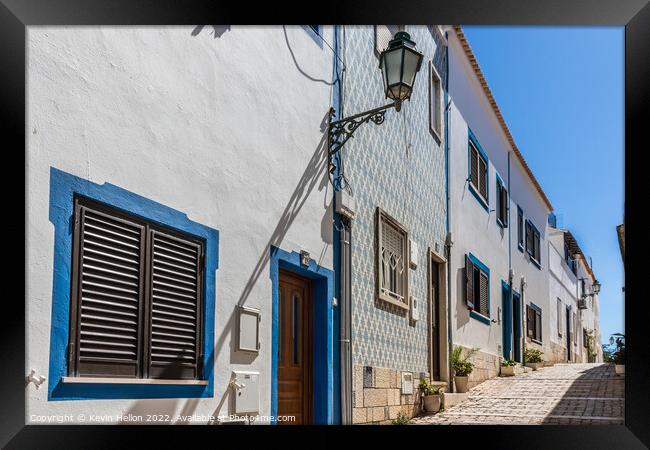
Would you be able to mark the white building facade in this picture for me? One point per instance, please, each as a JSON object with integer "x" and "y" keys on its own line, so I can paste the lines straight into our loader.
{"x": 170, "y": 193}
{"x": 498, "y": 214}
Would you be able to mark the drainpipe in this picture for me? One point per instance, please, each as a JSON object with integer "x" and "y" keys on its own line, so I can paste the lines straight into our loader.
{"x": 345, "y": 311}
{"x": 344, "y": 226}
{"x": 511, "y": 274}
{"x": 448, "y": 241}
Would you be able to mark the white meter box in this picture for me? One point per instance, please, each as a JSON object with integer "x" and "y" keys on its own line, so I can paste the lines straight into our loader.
{"x": 246, "y": 386}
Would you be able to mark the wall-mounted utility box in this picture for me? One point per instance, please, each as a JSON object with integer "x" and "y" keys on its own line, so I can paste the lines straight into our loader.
{"x": 407, "y": 383}
{"x": 247, "y": 393}
{"x": 248, "y": 329}
{"x": 415, "y": 308}
{"x": 413, "y": 253}
{"x": 345, "y": 204}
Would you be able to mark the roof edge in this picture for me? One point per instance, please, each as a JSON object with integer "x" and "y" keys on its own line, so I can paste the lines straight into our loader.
{"x": 495, "y": 108}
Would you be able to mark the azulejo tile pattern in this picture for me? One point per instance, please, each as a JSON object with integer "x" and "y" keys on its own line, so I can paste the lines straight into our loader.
{"x": 400, "y": 167}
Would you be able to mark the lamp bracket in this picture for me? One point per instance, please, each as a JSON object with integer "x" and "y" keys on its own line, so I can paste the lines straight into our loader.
{"x": 339, "y": 131}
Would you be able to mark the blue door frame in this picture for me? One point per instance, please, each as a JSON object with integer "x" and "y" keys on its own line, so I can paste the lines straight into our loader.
{"x": 516, "y": 317}
{"x": 511, "y": 319}
{"x": 324, "y": 365}
{"x": 506, "y": 320}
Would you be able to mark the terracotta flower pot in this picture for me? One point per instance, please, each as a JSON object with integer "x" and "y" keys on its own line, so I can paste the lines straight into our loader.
{"x": 461, "y": 384}
{"x": 431, "y": 403}
{"x": 620, "y": 369}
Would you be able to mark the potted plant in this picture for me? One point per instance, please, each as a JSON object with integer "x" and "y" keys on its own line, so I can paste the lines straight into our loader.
{"x": 431, "y": 396}
{"x": 533, "y": 358}
{"x": 619, "y": 354}
{"x": 508, "y": 367}
{"x": 462, "y": 368}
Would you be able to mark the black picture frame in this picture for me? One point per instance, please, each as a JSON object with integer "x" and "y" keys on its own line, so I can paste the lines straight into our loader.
{"x": 15, "y": 15}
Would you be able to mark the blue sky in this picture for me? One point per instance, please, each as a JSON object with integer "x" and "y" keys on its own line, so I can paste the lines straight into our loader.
{"x": 561, "y": 91}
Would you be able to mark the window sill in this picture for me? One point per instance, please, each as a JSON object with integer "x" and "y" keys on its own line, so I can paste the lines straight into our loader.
{"x": 536, "y": 263}
{"x": 393, "y": 301}
{"x": 480, "y": 317}
{"x": 536, "y": 341}
{"x": 89, "y": 380}
{"x": 521, "y": 248}
{"x": 482, "y": 201}
{"x": 501, "y": 224}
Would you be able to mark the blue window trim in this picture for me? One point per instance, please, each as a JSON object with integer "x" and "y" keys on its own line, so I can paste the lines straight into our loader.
{"x": 323, "y": 332}
{"x": 498, "y": 201}
{"x": 63, "y": 188}
{"x": 485, "y": 203}
{"x": 478, "y": 316}
{"x": 521, "y": 242}
{"x": 314, "y": 34}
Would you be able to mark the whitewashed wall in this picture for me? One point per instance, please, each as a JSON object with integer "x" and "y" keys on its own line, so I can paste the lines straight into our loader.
{"x": 219, "y": 123}
{"x": 475, "y": 230}
{"x": 563, "y": 284}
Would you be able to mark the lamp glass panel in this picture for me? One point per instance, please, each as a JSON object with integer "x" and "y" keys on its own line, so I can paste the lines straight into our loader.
{"x": 393, "y": 65}
{"x": 411, "y": 60}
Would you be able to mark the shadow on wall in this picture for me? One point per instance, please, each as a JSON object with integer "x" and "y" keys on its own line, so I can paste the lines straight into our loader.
{"x": 462, "y": 313}
{"x": 217, "y": 30}
{"x": 295, "y": 61}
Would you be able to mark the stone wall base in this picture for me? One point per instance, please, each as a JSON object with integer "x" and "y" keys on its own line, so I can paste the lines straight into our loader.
{"x": 486, "y": 366}
{"x": 377, "y": 396}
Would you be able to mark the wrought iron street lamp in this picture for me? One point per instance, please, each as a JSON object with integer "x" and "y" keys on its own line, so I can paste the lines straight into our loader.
{"x": 399, "y": 64}
{"x": 596, "y": 287}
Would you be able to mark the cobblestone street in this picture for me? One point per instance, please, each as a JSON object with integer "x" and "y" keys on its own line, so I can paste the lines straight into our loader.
{"x": 565, "y": 394}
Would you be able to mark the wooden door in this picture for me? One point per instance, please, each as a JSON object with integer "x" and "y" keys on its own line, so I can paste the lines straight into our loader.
{"x": 294, "y": 349}
{"x": 435, "y": 320}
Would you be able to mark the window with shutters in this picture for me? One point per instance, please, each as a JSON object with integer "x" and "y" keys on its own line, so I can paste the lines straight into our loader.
{"x": 534, "y": 323}
{"x": 383, "y": 35}
{"x": 478, "y": 171}
{"x": 559, "y": 317}
{"x": 502, "y": 204}
{"x": 136, "y": 299}
{"x": 435, "y": 103}
{"x": 520, "y": 228}
{"x": 533, "y": 242}
{"x": 477, "y": 288}
{"x": 575, "y": 328}
{"x": 392, "y": 260}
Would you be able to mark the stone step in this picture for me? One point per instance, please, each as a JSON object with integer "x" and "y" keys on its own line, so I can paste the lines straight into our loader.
{"x": 450, "y": 399}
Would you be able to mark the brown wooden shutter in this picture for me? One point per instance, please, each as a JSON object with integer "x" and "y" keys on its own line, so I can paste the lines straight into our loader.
{"x": 504, "y": 206}
{"x": 175, "y": 313}
{"x": 530, "y": 322}
{"x": 469, "y": 282}
{"x": 483, "y": 285}
{"x": 538, "y": 325}
{"x": 483, "y": 177}
{"x": 473, "y": 165}
{"x": 107, "y": 293}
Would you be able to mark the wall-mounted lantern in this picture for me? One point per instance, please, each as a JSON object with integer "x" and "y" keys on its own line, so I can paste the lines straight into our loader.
{"x": 399, "y": 65}
{"x": 596, "y": 287}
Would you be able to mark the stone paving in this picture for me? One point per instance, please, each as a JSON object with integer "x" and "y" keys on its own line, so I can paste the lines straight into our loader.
{"x": 564, "y": 394}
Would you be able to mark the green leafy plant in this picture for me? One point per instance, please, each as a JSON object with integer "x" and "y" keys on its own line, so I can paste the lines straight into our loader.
{"x": 402, "y": 419}
{"x": 619, "y": 354}
{"x": 461, "y": 364}
{"x": 508, "y": 363}
{"x": 533, "y": 355}
{"x": 429, "y": 389}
